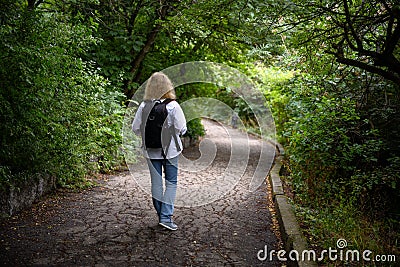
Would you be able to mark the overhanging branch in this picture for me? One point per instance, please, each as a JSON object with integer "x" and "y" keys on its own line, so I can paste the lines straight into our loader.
{"x": 355, "y": 63}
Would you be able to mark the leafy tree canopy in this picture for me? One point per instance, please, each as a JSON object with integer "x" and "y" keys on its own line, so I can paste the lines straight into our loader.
{"x": 362, "y": 34}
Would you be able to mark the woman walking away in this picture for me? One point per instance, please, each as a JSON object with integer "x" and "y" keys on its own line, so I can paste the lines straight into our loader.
{"x": 161, "y": 143}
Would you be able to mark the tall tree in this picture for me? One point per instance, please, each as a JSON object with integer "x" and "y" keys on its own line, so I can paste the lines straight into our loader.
{"x": 140, "y": 36}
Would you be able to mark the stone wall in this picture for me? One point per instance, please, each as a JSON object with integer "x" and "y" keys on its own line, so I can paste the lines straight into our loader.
{"x": 15, "y": 198}
{"x": 188, "y": 142}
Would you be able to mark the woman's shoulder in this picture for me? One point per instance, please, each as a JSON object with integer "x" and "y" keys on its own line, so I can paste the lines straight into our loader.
{"x": 173, "y": 103}
{"x": 173, "y": 107}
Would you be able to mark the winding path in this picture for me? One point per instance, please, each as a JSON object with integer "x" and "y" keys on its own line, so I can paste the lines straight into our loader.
{"x": 114, "y": 223}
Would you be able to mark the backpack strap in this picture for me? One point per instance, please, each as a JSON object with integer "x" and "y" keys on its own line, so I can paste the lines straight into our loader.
{"x": 172, "y": 133}
{"x": 167, "y": 101}
{"x": 148, "y": 106}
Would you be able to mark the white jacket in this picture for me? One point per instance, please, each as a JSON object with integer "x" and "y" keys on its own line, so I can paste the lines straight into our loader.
{"x": 175, "y": 118}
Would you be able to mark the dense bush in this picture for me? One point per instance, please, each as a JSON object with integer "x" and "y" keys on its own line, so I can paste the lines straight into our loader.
{"x": 57, "y": 113}
{"x": 331, "y": 140}
{"x": 342, "y": 155}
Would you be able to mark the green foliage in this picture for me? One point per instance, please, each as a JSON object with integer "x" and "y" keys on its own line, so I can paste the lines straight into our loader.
{"x": 325, "y": 225}
{"x": 343, "y": 164}
{"x": 321, "y": 150}
{"x": 57, "y": 111}
{"x": 341, "y": 153}
{"x": 351, "y": 32}
{"x": 340, "y": 123}
{"x": 273, "y": 82}
{"x": 334, "y": 136}
{"x": 137, "y": 38}
{"x": 195, "y": 129}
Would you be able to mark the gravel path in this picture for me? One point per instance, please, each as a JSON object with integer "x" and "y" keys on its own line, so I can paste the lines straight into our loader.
{"x": 114, "y": 224}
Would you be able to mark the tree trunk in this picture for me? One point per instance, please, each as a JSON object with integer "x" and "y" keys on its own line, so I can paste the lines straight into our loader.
{"x": 32, "y": 4}
{"x": 151, "y": 37}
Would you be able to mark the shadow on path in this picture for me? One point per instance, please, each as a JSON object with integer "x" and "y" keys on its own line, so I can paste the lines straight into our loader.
{"x": 114, "y": 224}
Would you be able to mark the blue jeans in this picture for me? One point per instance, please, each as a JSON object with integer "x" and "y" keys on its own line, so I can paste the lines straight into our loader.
{"x": 163, "y": 200}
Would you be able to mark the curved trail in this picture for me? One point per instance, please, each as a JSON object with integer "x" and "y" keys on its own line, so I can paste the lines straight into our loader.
{"x": 114, "y": 224}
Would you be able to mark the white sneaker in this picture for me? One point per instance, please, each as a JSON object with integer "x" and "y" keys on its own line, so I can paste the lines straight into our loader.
{"x": 169, "y": 225}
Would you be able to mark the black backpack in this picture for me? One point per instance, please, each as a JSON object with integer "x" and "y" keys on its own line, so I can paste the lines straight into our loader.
{"x": 155, "y": 133}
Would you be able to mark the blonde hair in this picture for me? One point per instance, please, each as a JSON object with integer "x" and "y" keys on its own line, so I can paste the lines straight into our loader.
{"x": 159, "y": 86}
